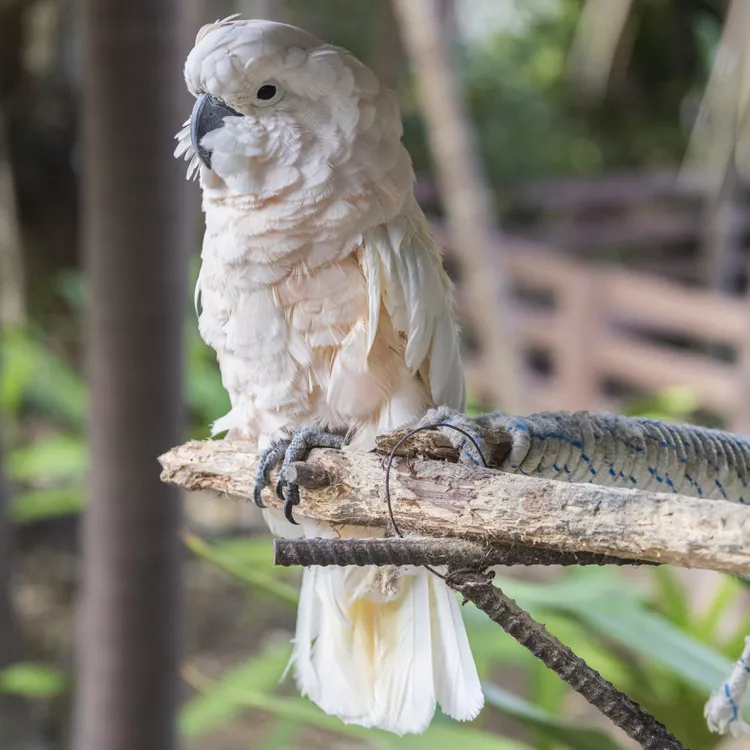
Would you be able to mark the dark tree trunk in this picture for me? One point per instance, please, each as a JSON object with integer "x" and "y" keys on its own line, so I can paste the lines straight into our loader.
{"x": 136, "y": 236}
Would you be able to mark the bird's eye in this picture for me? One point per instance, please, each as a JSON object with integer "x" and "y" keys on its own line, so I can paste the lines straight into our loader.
{"x": 268, "y": 93}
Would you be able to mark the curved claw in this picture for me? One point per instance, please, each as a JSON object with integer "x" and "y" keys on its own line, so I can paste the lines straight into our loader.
{"x": 268, "y": 459}
{"x": 257, "y": 489}
{"x": 280, "y": 490}
{"x": 288, "y": 512}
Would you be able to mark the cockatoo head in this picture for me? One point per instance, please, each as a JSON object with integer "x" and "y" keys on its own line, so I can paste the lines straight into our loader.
{"x": 279, "y": 113}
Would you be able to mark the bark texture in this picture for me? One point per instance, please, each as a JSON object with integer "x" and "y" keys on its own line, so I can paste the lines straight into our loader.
{"x": 439, "y": 499}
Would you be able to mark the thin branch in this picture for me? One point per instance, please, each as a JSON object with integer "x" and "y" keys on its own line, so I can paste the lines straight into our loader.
{"x": 616, "y": 706}
{"x": 440, "y": 499}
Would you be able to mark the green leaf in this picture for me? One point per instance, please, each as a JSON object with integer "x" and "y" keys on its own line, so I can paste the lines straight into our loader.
{"x": 453, "y": 737}
{"x": 51, "y": 458}
{"x": 580, "y": 589}
{"x": 652, "y": 636}
{"x": 39, "y": 505}
{"x": 17, "y": 370}
{"x": 226, "y": 698}
{"x": 727, "y": 593}
{"x": 32, "y": 372}
{"x": 283, "y": 733}
{"x": 239, "y": 559}
{"x": 620, "y": 615}
{"x": 671, "y": 598}
{"x": 302, "y": 711}
{"x": 32, "y": 681}
{"x": 561, "y": 731}
{"x": 205, "y": 394}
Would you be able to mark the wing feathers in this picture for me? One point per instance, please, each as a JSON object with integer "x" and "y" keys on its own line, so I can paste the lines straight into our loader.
{"x": 403, "y": 269}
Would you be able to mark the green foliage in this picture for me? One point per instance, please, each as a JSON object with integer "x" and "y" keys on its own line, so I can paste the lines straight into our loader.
{"x": 43, "y": 403}
{"x": 561, "y": 732}
{"x": 32, "y": 681}
{"x": 673, "y": 404}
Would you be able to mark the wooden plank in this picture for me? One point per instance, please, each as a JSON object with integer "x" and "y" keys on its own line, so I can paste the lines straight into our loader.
{"x": 576, "y": 340}
{"x": 534, "y": 266}
{"x": 661, "y": 305}
{"x": 613, "y": 190}
{"x": 654, "y": 368}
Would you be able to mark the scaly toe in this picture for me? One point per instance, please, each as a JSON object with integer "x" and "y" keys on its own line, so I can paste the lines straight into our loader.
{"x": 269, "y": 458}
{"x": 302, "y": 443}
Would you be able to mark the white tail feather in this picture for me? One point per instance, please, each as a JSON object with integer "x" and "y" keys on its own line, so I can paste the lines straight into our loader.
{"x": 383, "y": 661}
{"x": 457, "y": 685}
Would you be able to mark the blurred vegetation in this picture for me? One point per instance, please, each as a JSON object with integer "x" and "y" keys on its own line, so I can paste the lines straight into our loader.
{"x": 644, "y": 634}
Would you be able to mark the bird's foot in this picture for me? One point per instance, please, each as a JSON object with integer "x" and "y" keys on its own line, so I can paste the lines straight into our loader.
{"x": 267, "y": 462}
{"x": 296, "y": 449}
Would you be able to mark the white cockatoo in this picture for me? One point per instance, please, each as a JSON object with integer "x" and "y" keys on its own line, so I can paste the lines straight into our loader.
{"x": 323, "y": 294}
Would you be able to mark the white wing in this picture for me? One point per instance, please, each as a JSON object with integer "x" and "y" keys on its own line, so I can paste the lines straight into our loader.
{"x": 404, "y": 270}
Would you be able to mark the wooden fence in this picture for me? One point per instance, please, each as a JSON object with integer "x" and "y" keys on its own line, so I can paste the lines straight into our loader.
{"x": 604, "y": 331}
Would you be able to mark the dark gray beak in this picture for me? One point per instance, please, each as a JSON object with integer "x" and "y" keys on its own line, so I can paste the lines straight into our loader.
{"x": 208, "y": 114}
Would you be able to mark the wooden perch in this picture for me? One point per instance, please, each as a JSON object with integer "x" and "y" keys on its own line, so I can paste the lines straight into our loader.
{"x": 439, "y": 499}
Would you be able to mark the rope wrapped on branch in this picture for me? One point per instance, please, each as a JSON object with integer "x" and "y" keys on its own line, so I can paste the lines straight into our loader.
{"x": 603, "y": 449}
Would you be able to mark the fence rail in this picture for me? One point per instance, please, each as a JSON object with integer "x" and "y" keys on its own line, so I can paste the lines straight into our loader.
{"x": 599, "y": 327}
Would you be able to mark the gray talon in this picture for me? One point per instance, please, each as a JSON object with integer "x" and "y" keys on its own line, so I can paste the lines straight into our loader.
{"x": 269, "y": 458}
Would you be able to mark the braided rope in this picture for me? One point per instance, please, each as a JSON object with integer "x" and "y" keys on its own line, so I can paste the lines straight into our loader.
{"x": 615, "y": 451}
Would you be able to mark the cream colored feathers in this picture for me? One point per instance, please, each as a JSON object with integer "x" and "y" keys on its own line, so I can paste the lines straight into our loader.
{"x": 323, "y": 294}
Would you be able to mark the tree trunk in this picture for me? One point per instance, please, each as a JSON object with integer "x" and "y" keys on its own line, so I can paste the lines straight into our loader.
{"x": 136, "y": 237}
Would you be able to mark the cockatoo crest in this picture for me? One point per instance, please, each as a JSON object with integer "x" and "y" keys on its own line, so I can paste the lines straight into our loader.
{"x": 302, "y": 118}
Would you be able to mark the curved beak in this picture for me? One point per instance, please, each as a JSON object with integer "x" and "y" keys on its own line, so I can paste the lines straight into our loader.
{"x": 208, "y": 114}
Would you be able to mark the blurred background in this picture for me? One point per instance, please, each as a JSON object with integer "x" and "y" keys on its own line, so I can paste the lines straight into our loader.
{"x": 585, "y": 165}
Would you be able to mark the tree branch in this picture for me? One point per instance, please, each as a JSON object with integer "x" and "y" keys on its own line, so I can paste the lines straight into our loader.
{"x": 440, "y": 499}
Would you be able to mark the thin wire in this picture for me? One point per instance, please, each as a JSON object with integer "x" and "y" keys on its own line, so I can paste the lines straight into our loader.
{"x": 392, "y": 455}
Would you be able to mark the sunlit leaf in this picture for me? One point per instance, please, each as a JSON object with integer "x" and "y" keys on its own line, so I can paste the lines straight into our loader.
{"x": 51, "y": 458}
{"x": 620, "y": 615}
{"x": 32, "y": 681}
{"x": 652, "y": 636}
{"x": 672, "y": 598}
{"x": 282, "y": 735}
{"x": 223, "y": 699}
{"x": 726, "y": 594}
{"x": 231, "y": 557}
{"x": 39, "y": 505}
